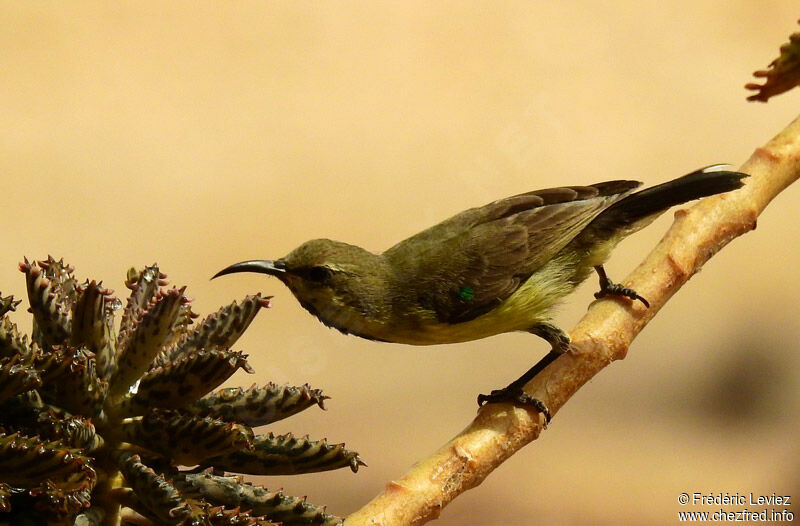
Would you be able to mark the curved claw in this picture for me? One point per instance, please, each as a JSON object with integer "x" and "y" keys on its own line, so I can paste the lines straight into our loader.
{"x": 609, "y": 288}
{"x": 517, "y": 397}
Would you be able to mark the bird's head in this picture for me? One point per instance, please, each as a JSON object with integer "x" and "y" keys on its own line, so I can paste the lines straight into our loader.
{"x": 328, "y": 278}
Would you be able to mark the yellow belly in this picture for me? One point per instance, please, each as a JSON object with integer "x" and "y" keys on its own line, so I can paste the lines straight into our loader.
{"x": 530, "y": 305}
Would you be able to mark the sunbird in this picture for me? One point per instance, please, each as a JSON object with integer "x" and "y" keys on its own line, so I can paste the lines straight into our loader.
{"x": 488, "y": 270}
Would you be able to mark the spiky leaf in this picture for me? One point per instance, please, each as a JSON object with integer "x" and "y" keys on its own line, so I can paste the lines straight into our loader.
{"x": 221, "y": 329}
{"x": 257, "y": 405}
{"x": 781, "y": 75}
{"x": 12, "y": 343}
{"x": 143, "y": 285}
{"x": 73, "y": 431}
{"x": 70, "y": 380}
{"x": 207, "y": 515}
{"x": 142, "y": 344}
{"x": 61, "y": 276}
{"x": 93, "y": 324}
{"x": 275, "y": 505}
{"x": 59, "y": 477}
{"x": 180, "y": 328}
{"x": 51, "y": 316}
{"x": 8, "y": 304}
{"x": 27, "y": 414}
{"x": 188, "y": 440}
{"x": 156, "y": 497}
{"x": 287, "y": 455}
{"x": 54, "y": 364}
{"x": 57, "y": 499}
{"x": 16, "y": 378}
{"x": 89, "y": 316}
{"x": 178, "y": 383}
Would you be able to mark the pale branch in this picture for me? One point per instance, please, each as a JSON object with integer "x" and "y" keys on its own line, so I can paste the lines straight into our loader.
{"x": 602, "y": 336}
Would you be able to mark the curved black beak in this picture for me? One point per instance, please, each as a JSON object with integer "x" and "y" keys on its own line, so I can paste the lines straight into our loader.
{"x": 261, "y": 266}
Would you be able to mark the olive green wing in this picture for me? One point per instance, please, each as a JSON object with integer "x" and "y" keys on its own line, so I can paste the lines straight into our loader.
{"x": 469, "y": 264}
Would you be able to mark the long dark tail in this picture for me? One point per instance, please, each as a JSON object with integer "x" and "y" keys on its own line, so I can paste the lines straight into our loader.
{"x": 650, "y": 202}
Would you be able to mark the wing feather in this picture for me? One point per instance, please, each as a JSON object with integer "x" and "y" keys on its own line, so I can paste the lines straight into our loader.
{"x": 470, "y": 263}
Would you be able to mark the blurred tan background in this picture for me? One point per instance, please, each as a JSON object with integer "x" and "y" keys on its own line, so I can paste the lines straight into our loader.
{"x": 197, "y": 134}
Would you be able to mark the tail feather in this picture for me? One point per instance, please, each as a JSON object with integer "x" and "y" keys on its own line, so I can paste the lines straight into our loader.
{"x": 650, "y": 202}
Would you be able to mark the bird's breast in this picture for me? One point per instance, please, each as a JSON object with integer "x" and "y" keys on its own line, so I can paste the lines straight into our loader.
{"x": 411, "y": 324}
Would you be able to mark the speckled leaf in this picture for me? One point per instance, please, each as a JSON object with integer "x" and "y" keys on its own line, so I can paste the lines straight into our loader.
{"x": 16, "y": 378}
{"x": 143, "y": 285}
{"x": 60, "y": 500}
{"x": 70, "y": 380}
{"x": 257, "y": 405}
{"x": 51, "y": 316}
{"x": 89, "y": 316}
{"x": 8, "y": 304}
{"x": 179, "y": 383}
{"x": 287, "y": 455}
{"x": 275, "y": 505}
{"x": 221, "y": 329}
{"x": 59, "y": 477}
{"x": 62, "y": 286}
{"x": 219, "y": 516}
{"x": 156, "y": 498}
{"x": 188, "y": 440}
{"x": 50, "y": 423}
{"x": 12, "y": 343}
{"x": 781, "y": 75}
{"x": 180, "y": 328}
{"x": 54, "y": 364}
{"x": 74, "y": 431}
{"x": 140, "y": 345}
{"x": 62, "y": 277}
{"x": 93, "y": 324}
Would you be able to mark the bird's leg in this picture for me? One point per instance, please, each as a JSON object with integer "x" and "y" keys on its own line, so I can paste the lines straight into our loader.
{"x": 609, "y": 288}
{"x": 559, "y": 343}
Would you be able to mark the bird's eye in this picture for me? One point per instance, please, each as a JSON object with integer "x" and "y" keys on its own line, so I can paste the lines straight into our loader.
{"x": 318, "y": 273}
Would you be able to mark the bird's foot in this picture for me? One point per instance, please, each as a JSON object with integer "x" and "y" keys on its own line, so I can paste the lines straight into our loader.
{"x": 609, "y": 288}
{"x": 516, "y": 396}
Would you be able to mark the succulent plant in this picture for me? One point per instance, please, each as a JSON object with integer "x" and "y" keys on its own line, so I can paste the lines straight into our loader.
{"x": 95, "y": 418}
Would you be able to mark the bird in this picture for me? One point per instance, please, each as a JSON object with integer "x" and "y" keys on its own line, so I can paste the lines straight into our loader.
{"x": 498, "y": 268}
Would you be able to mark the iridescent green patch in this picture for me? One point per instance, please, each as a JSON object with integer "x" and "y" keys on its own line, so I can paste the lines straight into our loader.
{"x": 466, "y": 294}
